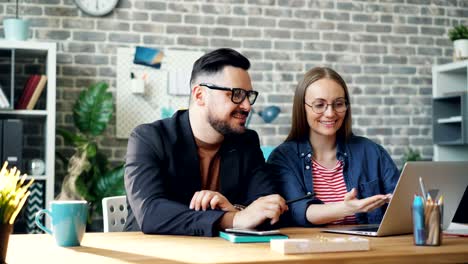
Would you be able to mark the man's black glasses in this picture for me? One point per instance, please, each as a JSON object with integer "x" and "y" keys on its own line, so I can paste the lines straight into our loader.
{"x": 237, "y": 94}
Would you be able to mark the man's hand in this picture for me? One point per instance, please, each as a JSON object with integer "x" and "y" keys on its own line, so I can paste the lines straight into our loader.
{"x": 365, "y": 205}
{"x": 266, "y": 207}
{"x": 204, "y": 200}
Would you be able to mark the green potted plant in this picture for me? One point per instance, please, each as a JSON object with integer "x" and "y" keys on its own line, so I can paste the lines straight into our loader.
{"x": 410, "y": 155}
{"x": 459, "y": 36}
{"x": 16, "y": 28}
{"x": 89, "y": 173}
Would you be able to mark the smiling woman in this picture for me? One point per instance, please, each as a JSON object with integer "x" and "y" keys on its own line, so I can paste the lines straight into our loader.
{"x": 351, "y": 176}
{"x": 96, "y": 7}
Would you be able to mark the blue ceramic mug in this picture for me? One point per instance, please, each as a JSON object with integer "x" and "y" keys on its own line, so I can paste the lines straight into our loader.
{"x": 68, "y": 221}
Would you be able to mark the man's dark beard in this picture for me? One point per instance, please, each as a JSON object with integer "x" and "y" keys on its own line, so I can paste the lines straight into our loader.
{"x": 223, "y": 127}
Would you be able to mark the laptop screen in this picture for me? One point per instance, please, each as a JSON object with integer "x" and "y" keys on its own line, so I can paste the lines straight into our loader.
{"x": 449, "y": 179}
{"x": 461, "y": 216}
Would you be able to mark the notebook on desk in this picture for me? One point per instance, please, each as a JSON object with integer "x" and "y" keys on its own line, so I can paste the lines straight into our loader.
{"x": 246, "y": 238}
{"x": 457, "y": 229}
{"x": 447, "y": 178}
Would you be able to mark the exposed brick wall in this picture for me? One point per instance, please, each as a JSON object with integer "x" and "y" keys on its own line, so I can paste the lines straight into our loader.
{"x": 384, "y": 48}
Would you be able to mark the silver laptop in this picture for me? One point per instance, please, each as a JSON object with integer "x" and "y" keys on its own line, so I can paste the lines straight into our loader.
{"x": 449, "y": 179}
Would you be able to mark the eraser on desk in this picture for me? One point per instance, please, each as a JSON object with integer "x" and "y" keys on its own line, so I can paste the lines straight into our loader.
{"x": 322, "y": 244}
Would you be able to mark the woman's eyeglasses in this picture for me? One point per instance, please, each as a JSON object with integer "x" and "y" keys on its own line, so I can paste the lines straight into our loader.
{"x": 320, "y": 106}
{"x": 237, "y": 94}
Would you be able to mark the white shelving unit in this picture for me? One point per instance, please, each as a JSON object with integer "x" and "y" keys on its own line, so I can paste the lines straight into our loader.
{"x": 450, "y": 111}
{"x": 48, "y": 52}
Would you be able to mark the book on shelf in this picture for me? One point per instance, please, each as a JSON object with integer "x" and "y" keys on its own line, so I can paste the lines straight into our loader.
{"x": 3, "y": 99}
{"x": 37, "y": 93}
{"x": 28, "y": 91}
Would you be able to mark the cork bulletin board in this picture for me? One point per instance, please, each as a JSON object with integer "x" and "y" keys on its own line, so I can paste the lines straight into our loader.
{"x": 166, "y": 90}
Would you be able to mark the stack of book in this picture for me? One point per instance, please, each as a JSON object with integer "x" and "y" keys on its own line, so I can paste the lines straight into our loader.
{"x": 31, "y": 92}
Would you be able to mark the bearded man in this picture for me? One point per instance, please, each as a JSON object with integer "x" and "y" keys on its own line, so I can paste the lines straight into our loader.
{"x": 201, "y": 170}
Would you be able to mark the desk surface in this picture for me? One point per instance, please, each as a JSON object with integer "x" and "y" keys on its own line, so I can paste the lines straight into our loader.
{"x": 135, "y": 247}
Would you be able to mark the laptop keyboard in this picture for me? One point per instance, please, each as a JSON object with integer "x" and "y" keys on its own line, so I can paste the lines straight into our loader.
{"x": 364, "y": 228}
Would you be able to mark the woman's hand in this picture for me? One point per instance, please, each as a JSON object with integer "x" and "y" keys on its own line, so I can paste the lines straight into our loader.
{"x": 354, "y": 205}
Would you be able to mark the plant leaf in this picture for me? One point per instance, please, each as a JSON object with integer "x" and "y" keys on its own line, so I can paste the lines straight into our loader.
{"x": 93, "y": 110}
{"x": 82, "y": 187}
{"x": 91, "y": 150}
{"x": 458, "y": 32}
{"x": 101, "y": 161}
{"x": 111, "y": 183}
{"x": 71, "y": 138}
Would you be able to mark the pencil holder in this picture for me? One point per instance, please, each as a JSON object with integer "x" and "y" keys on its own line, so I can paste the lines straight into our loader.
{"x": 427, "y": 224}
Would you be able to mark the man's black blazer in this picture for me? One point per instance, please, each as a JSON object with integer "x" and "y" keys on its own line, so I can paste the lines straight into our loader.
{"x": 162, "y": 173}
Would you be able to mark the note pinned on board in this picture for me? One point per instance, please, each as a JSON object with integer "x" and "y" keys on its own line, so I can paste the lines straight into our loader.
{"x": 148, "y": 57}
{"x": 179, "y": 82}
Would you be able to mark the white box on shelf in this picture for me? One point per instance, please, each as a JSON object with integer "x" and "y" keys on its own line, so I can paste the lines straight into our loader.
{"x": 452, "y": 119}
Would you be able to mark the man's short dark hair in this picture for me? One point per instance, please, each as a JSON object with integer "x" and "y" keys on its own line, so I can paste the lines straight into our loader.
{"x": 215, "y": 61}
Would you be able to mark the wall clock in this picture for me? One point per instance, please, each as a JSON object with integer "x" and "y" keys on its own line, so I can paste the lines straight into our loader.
{"x": 96, "y": 7}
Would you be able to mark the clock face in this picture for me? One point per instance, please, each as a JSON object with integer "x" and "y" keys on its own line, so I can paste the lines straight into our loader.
{"x": 96, "y": 7}
{"x": 36, "y": 167}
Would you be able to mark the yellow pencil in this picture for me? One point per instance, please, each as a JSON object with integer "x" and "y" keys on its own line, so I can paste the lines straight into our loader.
{"x": 441, "y": 200}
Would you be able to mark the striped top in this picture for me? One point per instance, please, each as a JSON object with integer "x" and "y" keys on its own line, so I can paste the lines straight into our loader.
{"x": 330, "y": 187}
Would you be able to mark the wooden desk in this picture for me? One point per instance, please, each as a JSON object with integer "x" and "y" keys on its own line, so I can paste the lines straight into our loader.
{"x": 135, "y": 247}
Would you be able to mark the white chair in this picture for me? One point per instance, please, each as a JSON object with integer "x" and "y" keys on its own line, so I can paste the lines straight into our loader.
{"x": 114, "y": 213}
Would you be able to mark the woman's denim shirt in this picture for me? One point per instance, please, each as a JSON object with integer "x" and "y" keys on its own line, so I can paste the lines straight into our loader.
{"x": 366, "y": 167}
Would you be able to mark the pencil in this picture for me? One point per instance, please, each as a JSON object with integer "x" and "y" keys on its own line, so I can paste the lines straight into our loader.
{"x": 423, "y": 190}
{"x": 440, "y": 201}
{"x": 430, "y": 224}
{"x": 437, "y": 236}
{"x": 427, "y": 212}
